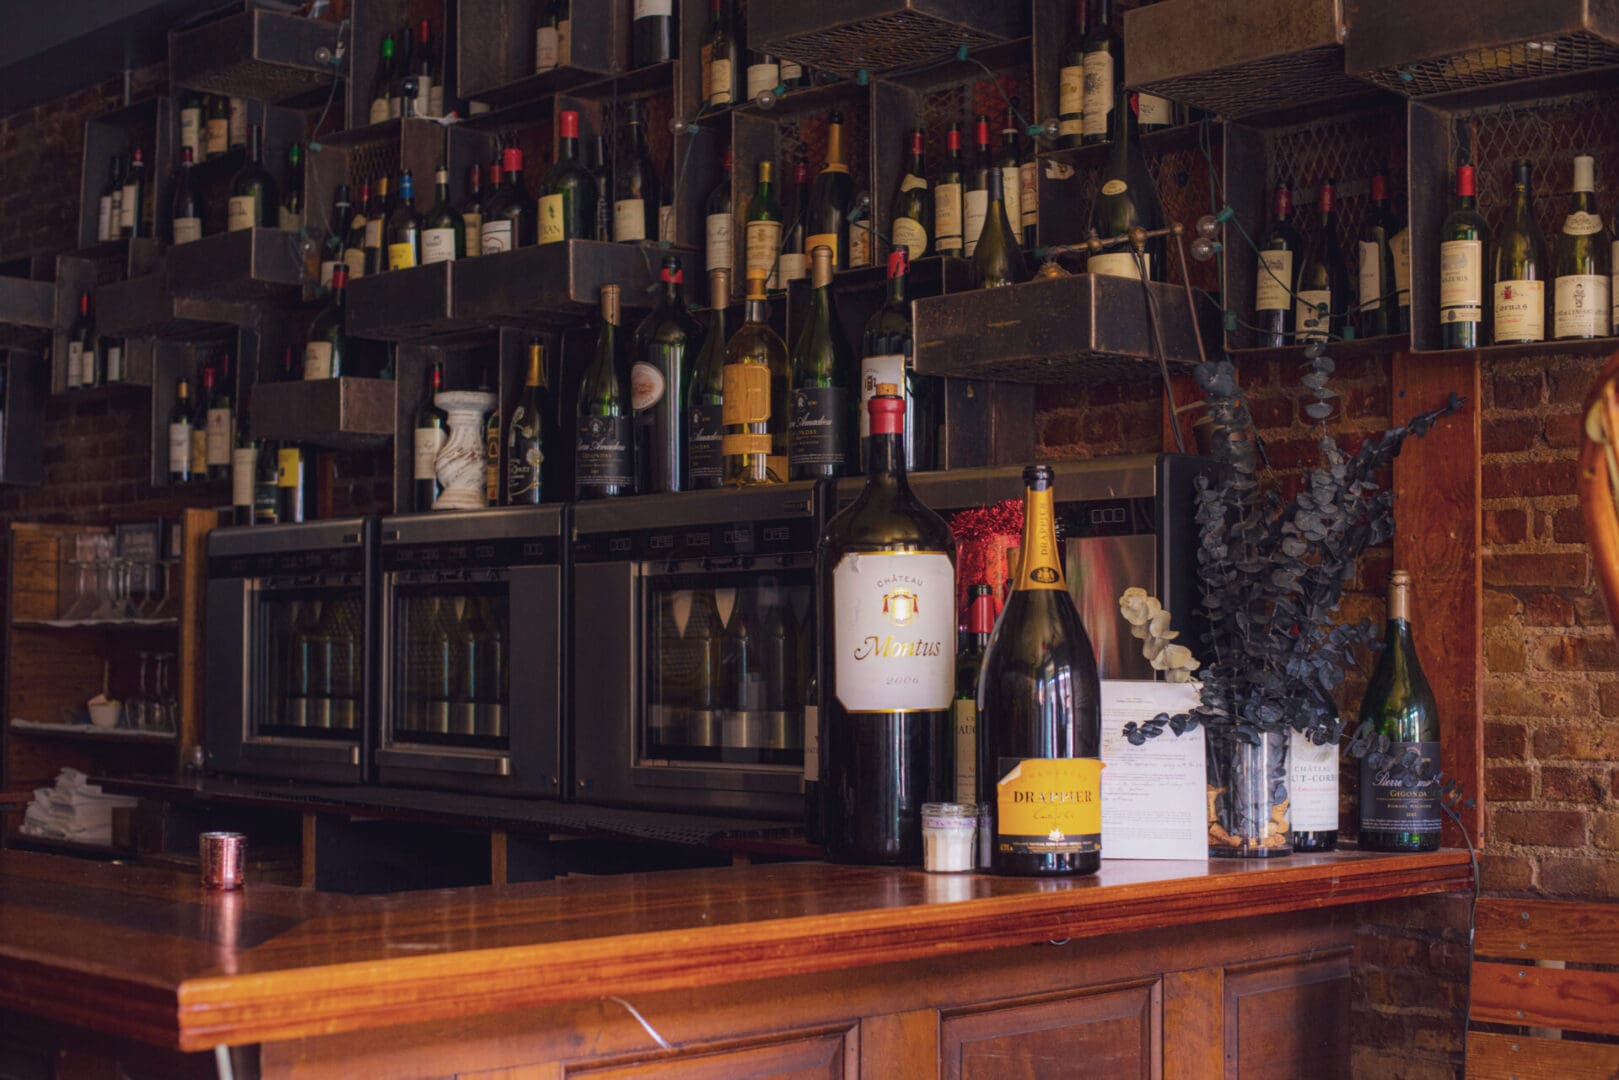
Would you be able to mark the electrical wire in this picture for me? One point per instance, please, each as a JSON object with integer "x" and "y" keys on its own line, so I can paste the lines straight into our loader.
{"x": 1472, "y": 922}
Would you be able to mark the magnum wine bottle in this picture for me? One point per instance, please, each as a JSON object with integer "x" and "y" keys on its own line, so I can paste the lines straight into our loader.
{"x": 1463, "y": 256}
{"x": 604, "y": 447}
{"x": 969, "y": 663}
{"x": 1039, "y": 713}
{"x": 886, "y": 569}
{"x": 1273, "y": 285}
{"x": 1400, "y": 813}
{"x": 830, "y": 199}
{"x": 1520, "y": 269}
{"x": 1580, "y": 296}
{"x": 1127, "y": 200}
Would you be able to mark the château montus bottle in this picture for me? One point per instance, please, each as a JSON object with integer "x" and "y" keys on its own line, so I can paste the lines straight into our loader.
{"x": 1463, "y": 256}
{"x": 1519, "y": 307}
{"x": 1580, "y": 300}
{"x": 1273, "y": 285}
{"x": 1039, "y": 713}
{"x": 885, "y": 569}
{"x": 1400, "y": 813}
{"x": 969, "y": 663}
{"x": 604, "y": 440}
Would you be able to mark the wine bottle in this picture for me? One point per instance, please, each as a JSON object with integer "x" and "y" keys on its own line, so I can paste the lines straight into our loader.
{"x": 266, "y": 482}
{"x": 1273, "y": 286}
{"x": 180, "y": 425}
{"x": 354, "y": 241}
{"x": 1400, "y": 255}
{"x": 568, "y": 193}
{"x": 191, "y": 124}
{"x": 471, "y": 211}
{"x": 382, "y": 83}
{"x": 81, "y": 338}
{"x": 1029, "y": 195}
{"x": 754, "y": 409}
{"x": 510, "y": 219}
{"x": 244, "y": 471}
{"x": 911, "y": 214}
{"x": 818, "y": 428}
{"x": 718, "y": 220}
{"x": 443, "y": 233}
{"x": 291, "y": 484}
{"x": 719, "y": 56}
{"x": 652, "y": 32}
{"x": 601, "y": 178}
{"x": 947, "y": 202}
{"x": 1376, "y": 314}
{"x": 405, "y": 228}
{"x": 401, "y": 92}
{"x": 1127, "y": 200}
{"x": 422, "y": 68}
{"x": 1104, "y": 68}
{"x": 105, "y": 217}
{"x": 1580, "y": 305}
{"x": 886, "y": 572}
{"x": 1312, "y": 789}
{"x": 1400, "y": 813}
{"x": 331, "y": 247}
{"x": 238, "y": 121}
{"x": 253, "y": 197}
{"x": 886, "y": 357}
{"x": 662, "y": 344}
{"x": 199, "y": 425}
{"x": 763, "y": 75}
{"x": 705, "y": 422}
{"x": 376, "y": 224}
{"x": 1321, "y": 291}
{"x": 831, "y": 198}
{"x": 969, "y": 662}
{"x": 525, "y": 441}
{"x": 791, "y": 262}
{"x": 132, "y": 218}
{"x": 220, "y": 435}
{"x": 548, "y": 35}
{"x": 778, "y": 654}
{"x": 997, "y": 260}
{"x": 1519, "y": 310}
{"x": 1463, "y": 255}
{"x": 763, "y": 239}
{"x": 1010, "y": 162}
{"x": 290, "y": 214}
{"x": 493, "y": 478}
{"x": 115, "y": 202}
{"x": 635, "y": 195}
{"x": 1071, "y": 82}
{"x": 1039, "y": 713}
{"x": 975, "y": 200}
{"x": 216, "y": 127}
{"x": 603, "y": 459}
{"x": 326, "y": 351}
{"x": 429, "y": 436}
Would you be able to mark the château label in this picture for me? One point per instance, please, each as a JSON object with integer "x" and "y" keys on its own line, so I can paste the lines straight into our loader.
{"x": 646, "y": 9}
{"x": 438, "y": 245}
{"x": 666, "y": 224}
{"x": 243, "y": 213}
{"x": 874, "y": 371}
{"x": 1580, "y": 306}
{"x": 552, "y": 227}
{"x": 1275, "y": 281}
{"x": 429, "y": 441}
{"x": 494, "y": 237}
{"x": 424, "y": 95}
{"x": 647, "y": 385}
{"x": 791, "y": 71}
{"x": 88, "y": 373}
{"x": 966, "y": 724}
{"x": 1400, "y": 248}
{"x": 910, "y": 235}
{"x": 187, "y": 229}
{"x": 975, "y": 207}
{"x": 1461, "y": 281}
{"x": 1154, "y": 111}
{"x": 1048, "y": 806}
{"x": 719, "y": 81}
{"x": 705, "y": 432}
{"x": 545, "y": 48}
{"x": 318, "y": 360}
{"x": 401, "y": 256}
{"x": 191, "y": 132}
{"x": 244, "y": 468}
{"x": 1402, "y": 805}
{"x": 859, "y": 245}
{"x": 1071, "y": 100}
{"x": 472, "y": 230}
{"x": 602, "y": 451}
{"x": 1012, "y": 194}
{"x": 1371, "y": 275}
{"x": 1309, "y": 321}
{"x": 219, "y": 437}
{"x": 763, "y": 238}
{"x": 629, "y": 220}
{"x": 115, "y": 363}
{"x": 104, "y": 219}
{"x": 1098, "y": 91}
{"x": 762, "y": 79}
{"x": 894, "y": 631}
{"x": 179, "y": 448}
{"x": 815, "y": 432}
{"x": 127, "y": 208}
{"x": 218, "y": 135}
{"x": 1520, "y": 311}
{"x": 1029, "y": 193}
{"x": 1119, "y": 264}
{"x": 947, "y": 216}
{"x": 1312, "y": 784}
{"x": 719, "y": 242}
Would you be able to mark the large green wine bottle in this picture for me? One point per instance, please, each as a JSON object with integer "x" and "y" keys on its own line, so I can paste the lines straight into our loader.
{"x": 1273, "y": 286}
{"x": 1580, "y": 295}
{"x": 997, "y": 259}
{"x": 1400, "y": 813}
{"x": 1520, "y": 269}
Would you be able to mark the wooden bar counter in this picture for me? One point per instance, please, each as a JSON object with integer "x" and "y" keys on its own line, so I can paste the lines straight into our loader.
{"x": 793, "y": 969}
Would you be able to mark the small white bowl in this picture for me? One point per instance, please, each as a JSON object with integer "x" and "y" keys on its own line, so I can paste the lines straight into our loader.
{"x": 106, "y": 716}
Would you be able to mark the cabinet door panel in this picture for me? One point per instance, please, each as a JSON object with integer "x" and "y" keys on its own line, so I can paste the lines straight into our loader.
{"x": 1288, "y": 1018}
{"x": 816, "y": 1057}
{"x": 1111, "y": 1033}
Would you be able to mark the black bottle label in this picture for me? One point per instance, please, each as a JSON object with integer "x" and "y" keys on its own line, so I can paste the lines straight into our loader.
{"x": 705, "y": 431}
{"x": 603, "y": 451}
{"x": 817, "y": 431}
{"x": 1401, "y": 804}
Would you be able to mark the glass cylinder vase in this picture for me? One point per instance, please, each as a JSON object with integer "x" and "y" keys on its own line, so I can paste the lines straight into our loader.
{"x": 1248, "y": 798}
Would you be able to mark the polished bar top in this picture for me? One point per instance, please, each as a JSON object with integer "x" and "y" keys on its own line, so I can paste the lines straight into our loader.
{"x": 146, "y": 953}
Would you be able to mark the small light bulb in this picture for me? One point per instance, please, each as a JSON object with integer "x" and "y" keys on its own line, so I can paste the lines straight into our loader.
{"x": 1050, "y": 127}
{"x": 766, "y": 100}
{"x": 1208, "y": 226}
{"x": 1202, "y": 249}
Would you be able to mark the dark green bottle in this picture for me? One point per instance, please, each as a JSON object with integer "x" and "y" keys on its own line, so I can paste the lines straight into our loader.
{"x": 1400, "y": 813}
{"x": 604, "y": 440}
{"x": 444, "y": 231}
{"x": 405, "y": 228}
{"x": 254, "y": 201}
{"x": 705, "y": 398}
{"x": 525, "y": 441}
{"x": 658, "y": 376}
{"x": 568, "y": 194}
{"x": 1464, "y": 243}
{"x": 326, "y": 351}
{"x": 998, "y": 260}
{"x": 818, "y": 443}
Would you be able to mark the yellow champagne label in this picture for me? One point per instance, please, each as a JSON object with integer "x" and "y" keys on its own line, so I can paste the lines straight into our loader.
{"x": 401, "y": 256}
{"x": 1049, "y": 806}
{"x": 1042, "y": 558}
{"x": 551, "y": 227}
{"x": 747, "y": 394}
{"x": 1274, "y": 281}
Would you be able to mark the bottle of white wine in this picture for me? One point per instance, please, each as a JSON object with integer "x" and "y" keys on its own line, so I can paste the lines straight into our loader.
{"x": 1520, "y": 269}
{"x": 1039, "y": 713}
{"x": 1400, "y": 813}
{"x": 1580, "y": 295}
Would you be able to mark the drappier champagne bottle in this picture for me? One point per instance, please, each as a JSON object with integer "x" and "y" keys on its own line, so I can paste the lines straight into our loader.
{"x": 886, "y": 572}
{"x": 1039, "y": 713}
{"x": 1400, "y": 813}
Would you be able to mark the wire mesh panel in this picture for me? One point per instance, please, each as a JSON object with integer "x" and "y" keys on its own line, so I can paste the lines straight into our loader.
{"x": 845, "y": 36}
{"x": 1496, "y": 64}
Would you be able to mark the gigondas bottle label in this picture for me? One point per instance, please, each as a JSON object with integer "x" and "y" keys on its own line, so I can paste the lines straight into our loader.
{"x": 910, "y": 235}
{"x": 966, "y": 722}
{"x": 1119, "y": 264}
{"x": 318, "y": 360}
{"x": 552, "y": 226}
{"x": 494, "y": 237}
{"x": 629, "y": 220}
{"x": 401, "y": 256}
{"x": 1371, "y": 275}
{"x": 647, "y": 385}
{"x": 874, "y": 371}
{"x": 1098, "y": 91}
{"x": 975, "y": 207}
{"x": 602, "y": 451}
{"x": 947, "y": 216}
{"x": 894, "y": 631}
{"x": 705, "y": 433}
{"x": 243, "y": 212}
{"x": 1401, "y": 804}
{"x": 187, "y": 229}
{"x": 1071, "y": 101}
{"x": 1461, "y": 281}
{"x": 438, "y": 245}
{"x": 429, "y": 441}
{"x": 1580, "y": 306}
{"x": 1048, "y": 806}
{"x": 1312, "y": 317}
{"x": 816, "y": 434}
{"x": 1273, "y": 286}
{"x": 1520, "y": 311}
{"x": 1312, "y": 784}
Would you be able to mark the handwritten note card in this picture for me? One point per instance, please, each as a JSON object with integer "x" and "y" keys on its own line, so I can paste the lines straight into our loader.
{"x": 1153, "y": 802}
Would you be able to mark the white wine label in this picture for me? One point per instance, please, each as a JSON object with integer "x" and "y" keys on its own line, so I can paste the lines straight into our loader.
{"x": 1011, "y": 195}
{"x": 1580, "y": 306}
{"x": 219, "y": 437}
{"x": 494, "y": 237}
{"x": 894, "y": 632}
{"x": 318, "y": 360}
{"x": 1115, "y": 187}
{"x": 646, "y": 385}
{"x": 354, "y": 259}
{"x": 1119, "y": 264}
{"x": 553, "y": 228}
{"x": 1312, "y": 784}
{"x": 629, "y": 220}
{"x": 719, "y": 81}
{"x": 1098, "y": 91}
{"x": 218, "y": 136}
{"x": 762, "y": 79}
{"x": 1154, "y": 110}
{"x": 373, "y": 233}
{"x": 874, "y": 371}
{"x": 1371, "y": 275}
{"x": 1400, "y": 247}
{"x": 104, "y": 218}
{"x": 438, "y": 245}
{"x": 191, "y": 132}
{"x": 859, "y": 245}
{"x": 1309, "y": 322}
{"x": 243, "y": 213}
{"x": 126, "y": 208}
{"x": 401, "y": 256}
{"x": 1274, "y": 282}
{"x": 1029, "y": 192}
{"x": 1461, "y": 281}
{"x": 910, "y": 235}
{"x": 1580, "y": 223}
{"x": 974, "y": 209}
{"x": 546, "y": 48}
{"x": 1520, "y": 311}
{"x": 379, "y": 110}
{"x": 791, "y": 267}
{"x": 472, "y": 230}
{"x": 429, "y": 441}
{"x": 966, "y": 751}
{"x": 911, "y": 182}
{"x": 179, "y": 448}
{"x": 763, "y": 237}
{"x": 75, "y": 364}
{"x": 1071, "y": 98}
{"x": 719, "y": 250}
{"x": 244, "y": 468}
{"x": 947, "y": 215}
{"x": 289, "y": 220}
{"x": 187, "y": 229}
{"x": 646, "y": 9}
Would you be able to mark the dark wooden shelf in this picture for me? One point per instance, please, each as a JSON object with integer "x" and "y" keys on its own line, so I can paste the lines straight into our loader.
{"x": 90, "y": 733}
{"x": 260, "y": 55}
{"x": 1167, "y": 141}
{"x": 1339, "y": 350}
{"x": 242, "y": 264}
{"x": 404, "y": 305}
{"x": 145, "y": 306}
{"x": 54, "y": 846}
{"x": 1602, "y": 346}
{"x": 27, "y": 306}
{"x": 341, "y": 414}
{"x": 97, "y": 624}
{"x": 555, "y": 284}
{"x": 880, "y": 35}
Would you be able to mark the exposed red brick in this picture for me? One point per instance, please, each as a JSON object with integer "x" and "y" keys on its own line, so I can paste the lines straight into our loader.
{"x": 1564, "y": 431}
{"x": 1504, "y": 740}
{"x": 1538, "y": 697}
{"x": 1512, "y": 435}
{"x": 1574, "y": 783}
{"x": 1579, "y": 877}
{"x": 1568, "y": 526}
{"x": 1516, "y": 391}
{"x": 1548, "y": 608}
{"x": 1549, "y": 568}
{"x": 1510, "y": 526}
{"x": 1568, "y": 652}
{"x": 1539, "y": 827}
{"x": 1574, "y": 741}
{"x": 1506, "y": 873}
{"x": 1516, "y": 480}
{"x": 1509, "y": 783}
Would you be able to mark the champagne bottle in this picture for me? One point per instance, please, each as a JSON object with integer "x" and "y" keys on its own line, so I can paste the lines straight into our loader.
{"x": 1039, "y": 713}
{"x": 662, "y": 349}
{"x": 604, "y": 446}
{"x": 1273, "y": 286}
{"x": 912, "y": 213}
{"x": 1519, "y": 309}
{"x": 1463, "y": 255}
{"x": 1071, "y": 83}
{"x": 1127, "y": 200}
{"x": 443, "y": 235}
{"x": 818, "y": 434}
{"x": 718, "y": 221}
{"x": 831, "y": 198}
{"x": 180, "y": 427}
{"x": 705, "y": 424}
{"x": 886, "y": 351}
{"x": 947, "y": 202}
{"x": 430, "y": 434}
{"x": 405, "y": 228}
{"x": 1104, "y": 68}
{"x": 1400, "y": 813}
{"x": 755, "y": 397}
{"x": 525, "y": 442}
{"x": 969, "y": 663}
{"x": 568, "y": 194}
{"x": 1321, "y": 291}
{"x": 253, "y": 197}
{"x": 997, "y": 260}
{"x": 886, "y": 569}
{"x": 1377, "y": 312}
{"x": 763, "y": 238}
{"x": 1580, "y": 305}
{"x": 326, "y": 351}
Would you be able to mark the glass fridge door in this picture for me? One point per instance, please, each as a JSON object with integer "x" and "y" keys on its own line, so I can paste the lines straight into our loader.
{"x": 451, "y": 666}
{"x": 310, "y": 663}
